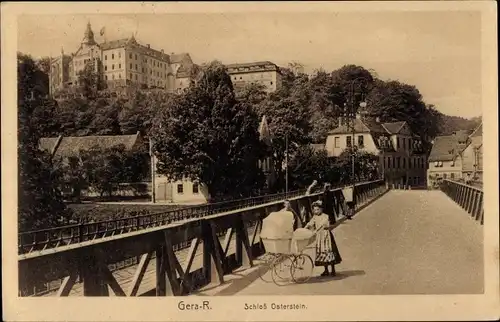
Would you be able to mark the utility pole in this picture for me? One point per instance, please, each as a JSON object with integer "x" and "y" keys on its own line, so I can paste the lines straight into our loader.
{"x": 153, "y": 172}
{"x": 286, "y": 168}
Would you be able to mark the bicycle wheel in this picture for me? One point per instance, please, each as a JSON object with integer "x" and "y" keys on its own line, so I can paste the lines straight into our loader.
{"x": 282, "y": 270}
{"x": 267, "y": 266}
{"x": 303, "y": 267}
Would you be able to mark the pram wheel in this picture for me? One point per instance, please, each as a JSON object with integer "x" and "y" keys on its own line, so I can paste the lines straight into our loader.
{"x": 302, "y": 268}
{"x": 282, "y": 270}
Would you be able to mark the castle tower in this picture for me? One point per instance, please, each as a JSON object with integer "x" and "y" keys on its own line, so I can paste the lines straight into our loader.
{"x": 88, "y": 38}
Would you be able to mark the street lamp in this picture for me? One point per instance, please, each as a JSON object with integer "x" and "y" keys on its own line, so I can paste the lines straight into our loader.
{"x": 352, "y": 114}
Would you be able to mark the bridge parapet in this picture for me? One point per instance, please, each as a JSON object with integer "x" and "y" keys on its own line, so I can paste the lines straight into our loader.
{"x": 171, "y": 249}
{"x": 468, "y": 197}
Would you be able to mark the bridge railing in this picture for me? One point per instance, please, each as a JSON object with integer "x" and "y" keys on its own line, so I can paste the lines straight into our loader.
{"x": 226, "y": 241}
{"x": 70, "y": 234}
{"x": 470, "y": 198}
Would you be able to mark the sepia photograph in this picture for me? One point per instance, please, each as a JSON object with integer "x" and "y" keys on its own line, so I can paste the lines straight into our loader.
{"x": 262, "y": 154}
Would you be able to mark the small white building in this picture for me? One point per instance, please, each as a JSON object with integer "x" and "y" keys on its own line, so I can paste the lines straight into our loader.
{"x": 402, "y": 159}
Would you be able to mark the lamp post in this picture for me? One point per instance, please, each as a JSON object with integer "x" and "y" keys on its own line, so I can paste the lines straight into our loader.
{"x": 352, "y": 114}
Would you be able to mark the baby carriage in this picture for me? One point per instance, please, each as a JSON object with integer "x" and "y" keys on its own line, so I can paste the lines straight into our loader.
{"x": 285, "y": 247}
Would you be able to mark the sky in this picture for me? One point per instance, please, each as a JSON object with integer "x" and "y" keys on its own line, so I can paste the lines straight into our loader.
{"x": 438, "y": 52}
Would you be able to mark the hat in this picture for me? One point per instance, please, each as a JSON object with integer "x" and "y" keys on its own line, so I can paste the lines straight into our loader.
{"x": 317, "y": 203}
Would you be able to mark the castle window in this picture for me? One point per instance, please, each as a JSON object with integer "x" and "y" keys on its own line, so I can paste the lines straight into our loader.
{"x": 136, "y": 77}
{"x": 112, "y": 56}
{"x": 113, "y": 76}
{"x": 119, "y": 55}
{"x": 130, "y": 55}
{"x": 271, "y": 83}
{"x": 143, "y": 69}
{"x": 105, "y": 57}
{"x": 130, "y": 75}
{"x": 120, "y": 76}
{"x": 135, "y": 56}
{"x": 106, "y": 77}
{"x": 113, "y": 67}
{"x": 105, "y": 67}
{"x": 119, "y": 66}
{"x": 130, "y": 65}
{"x": 136, "y": 67}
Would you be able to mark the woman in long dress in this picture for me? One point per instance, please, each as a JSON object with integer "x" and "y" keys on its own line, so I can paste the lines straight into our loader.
{"x": 327, "y": 253}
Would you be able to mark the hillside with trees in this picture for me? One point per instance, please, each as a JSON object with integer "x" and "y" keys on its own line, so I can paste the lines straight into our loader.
{"x": 208, "y": 134}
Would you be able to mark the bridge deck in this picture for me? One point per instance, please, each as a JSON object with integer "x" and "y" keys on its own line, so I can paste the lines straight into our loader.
{"x": 408, "y": 242}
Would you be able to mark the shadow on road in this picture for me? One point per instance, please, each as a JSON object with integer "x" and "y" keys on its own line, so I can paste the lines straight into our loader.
{"x": 340, "y": 276}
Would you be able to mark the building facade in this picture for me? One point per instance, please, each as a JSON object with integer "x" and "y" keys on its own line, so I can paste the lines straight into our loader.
{"x": 121, "y": 63}
{"x": 264, "y": 73}
{"x": 456, "y": 157}
{"x": 402, "y": 159}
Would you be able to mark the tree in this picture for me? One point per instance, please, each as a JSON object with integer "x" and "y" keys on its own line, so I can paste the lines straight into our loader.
{"x": 395, "y": 101}
{"x": 288, "y": 116}
{"x": 90, "y": 81}
{"x": 204, "y": 135}
{"x": 40, "y": 201}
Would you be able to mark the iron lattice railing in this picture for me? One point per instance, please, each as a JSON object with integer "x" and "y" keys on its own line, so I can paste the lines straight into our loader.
{"x": 71, "y": 234}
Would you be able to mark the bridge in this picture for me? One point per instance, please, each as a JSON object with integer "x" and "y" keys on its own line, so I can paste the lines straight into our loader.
{"x": 399, "y": 242}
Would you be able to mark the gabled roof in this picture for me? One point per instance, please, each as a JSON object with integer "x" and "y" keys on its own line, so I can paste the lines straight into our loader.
{"x": 47, "y": 144}
{"x": 264, "y": 132}
{"x": 180, "y": 58}
{"x": 73, "y": 145}
{"x": 359, "y": 127}
{"x": 114, "y": 44}
{"x": 445, "y": 148}
{"x": 394, "y": 127}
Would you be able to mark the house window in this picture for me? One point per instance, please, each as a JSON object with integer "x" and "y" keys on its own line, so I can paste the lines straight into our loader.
{"x": 348, "y": 140}
{"x": 445, "y": 175}
{"x": 113, "y": 66}
{"x": 337, "y": 142}
{"x": 112, "y": 56}
{"x": 195, "y": 188}
{"x": 452, "y": 176}
{"x": 360, "y": 141}
{"x": 180, "y": 188}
